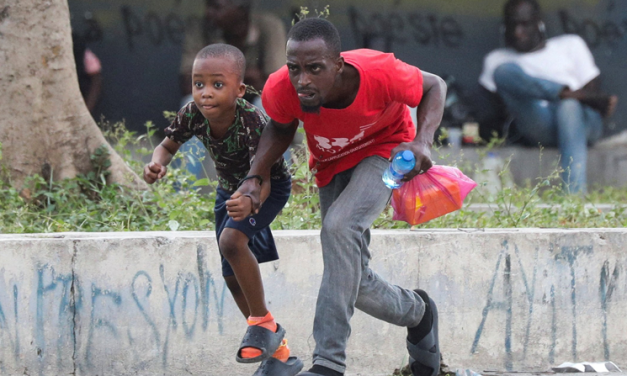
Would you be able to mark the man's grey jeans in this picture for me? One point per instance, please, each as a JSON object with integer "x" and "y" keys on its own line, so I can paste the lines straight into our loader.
{"x": 350, "y": 203}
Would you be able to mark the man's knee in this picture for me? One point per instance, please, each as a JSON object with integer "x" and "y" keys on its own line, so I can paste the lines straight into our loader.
{"x": 569, "y": 114}
{"x": 505, "y": 73}
{"x": 337, "y": 225}
{"x": 569, "y": 106}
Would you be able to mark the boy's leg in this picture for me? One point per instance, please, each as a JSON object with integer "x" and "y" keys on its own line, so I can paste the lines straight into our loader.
{"x": 349, "y": 204}
{"x": 246, "y": 286}
{"x": 238, "y": 294}
{"x": 244, "y": 244}
{"x": 234, "y": 247}
{"x": 229, "y": 242}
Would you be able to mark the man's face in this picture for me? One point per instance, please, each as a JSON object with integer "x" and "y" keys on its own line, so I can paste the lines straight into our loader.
{"x": 523, "y": 28}
{"x": 312, "y": 70}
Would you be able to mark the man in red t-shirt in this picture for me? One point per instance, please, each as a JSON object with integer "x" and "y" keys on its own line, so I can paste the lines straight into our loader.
{"x": 354, "y": 109}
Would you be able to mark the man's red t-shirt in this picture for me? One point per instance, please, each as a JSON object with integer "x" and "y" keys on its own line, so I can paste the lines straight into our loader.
{"x": 376, "y": 122}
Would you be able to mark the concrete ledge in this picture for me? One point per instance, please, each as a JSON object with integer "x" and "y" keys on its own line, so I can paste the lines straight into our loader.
{"x": 155, "y": 303}
{"x": 606, "y": 166}
{"x": 619, "y": 210}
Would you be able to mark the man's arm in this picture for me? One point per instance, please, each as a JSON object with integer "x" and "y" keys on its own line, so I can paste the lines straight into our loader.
{"x": 93, "y": 68}
{"x": 93, "y": 95}
{"x": 592, "y": 96}
{"x": 274, "y": 141}
{"x": 429, "y": 115}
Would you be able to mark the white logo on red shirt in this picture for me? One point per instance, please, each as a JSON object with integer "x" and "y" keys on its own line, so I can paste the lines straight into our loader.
{"x": 334, "y": 145}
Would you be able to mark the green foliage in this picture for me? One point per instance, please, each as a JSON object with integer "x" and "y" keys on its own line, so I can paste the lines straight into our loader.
{"x": 304, "y": 12}
{"x": 302, "y": 211}
{"x": 180, "y": 202}
{"x": 89, "y": 203}
{"x": 251, "y": 90}
{"x": 544, "y": 204}
{"x": 324, "y": 13}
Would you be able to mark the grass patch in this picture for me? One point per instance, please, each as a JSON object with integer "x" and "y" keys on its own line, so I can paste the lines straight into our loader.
{"x": 88, "y": 203}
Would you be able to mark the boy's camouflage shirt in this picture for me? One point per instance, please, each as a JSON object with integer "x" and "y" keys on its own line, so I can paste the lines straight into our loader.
{"x": 234, "y": 153}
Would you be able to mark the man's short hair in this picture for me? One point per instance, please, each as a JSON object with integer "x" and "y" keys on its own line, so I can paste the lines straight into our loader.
{"x": 313, "y": 28}
{"x": 220, "y": 50}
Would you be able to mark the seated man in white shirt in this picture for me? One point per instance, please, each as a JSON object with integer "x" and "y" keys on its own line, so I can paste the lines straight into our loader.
{"x": 550, "y": 86}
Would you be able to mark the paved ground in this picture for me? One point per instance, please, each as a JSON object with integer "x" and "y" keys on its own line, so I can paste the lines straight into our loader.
{"x": 447, "y": 371}
{"x": 496, "y": 373}
{"x": 512, "y": 373}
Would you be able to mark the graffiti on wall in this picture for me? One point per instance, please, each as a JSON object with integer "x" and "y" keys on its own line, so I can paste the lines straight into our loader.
{"x": 595, "y": 32}
{"x": 193, "y": 301}
{"x": 566, "y": 260}
{"x": 398, "y": 27}
{"x": 549, "y": 289}
{"x": 381, "y": 29}
{"x": 154, "y": 28}
{"x": 151, "y": 28}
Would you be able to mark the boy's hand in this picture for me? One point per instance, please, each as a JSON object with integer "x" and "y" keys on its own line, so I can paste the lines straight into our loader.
{"x": 239, "y": 206}
{"x": 254, "y": 192}
{"x": 153, "y": 172}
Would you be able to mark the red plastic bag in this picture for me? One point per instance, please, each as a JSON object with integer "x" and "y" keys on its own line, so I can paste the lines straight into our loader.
{"x": 440, "y": 190}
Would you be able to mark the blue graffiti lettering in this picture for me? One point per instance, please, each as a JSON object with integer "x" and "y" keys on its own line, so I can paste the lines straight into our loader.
{"x": 98, "y": 294}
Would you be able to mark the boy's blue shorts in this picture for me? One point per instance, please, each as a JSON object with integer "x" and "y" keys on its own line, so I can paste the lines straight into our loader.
{"x": 256, "y": 227}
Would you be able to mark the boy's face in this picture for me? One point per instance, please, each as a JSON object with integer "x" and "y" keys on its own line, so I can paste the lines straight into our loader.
{"x": 312, "y": 71}
{"x": 216, "y": 85}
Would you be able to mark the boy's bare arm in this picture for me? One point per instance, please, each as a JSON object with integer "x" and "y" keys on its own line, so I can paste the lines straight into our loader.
{"x": 161, "y": 157}
{"x": 274, "y": 141}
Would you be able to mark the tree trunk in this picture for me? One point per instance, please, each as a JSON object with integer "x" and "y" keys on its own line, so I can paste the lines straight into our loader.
{"x": 44, "y": 122}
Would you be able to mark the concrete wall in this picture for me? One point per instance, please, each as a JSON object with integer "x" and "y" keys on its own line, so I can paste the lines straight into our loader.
{"x": 606, "y": 166}
{"x": 154, "y": 303}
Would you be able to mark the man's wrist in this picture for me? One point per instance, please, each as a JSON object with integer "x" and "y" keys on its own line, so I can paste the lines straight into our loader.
{"x": 423, "y": 143}
{"x": 249, "y": 177}
{"x": 425, "y": 135}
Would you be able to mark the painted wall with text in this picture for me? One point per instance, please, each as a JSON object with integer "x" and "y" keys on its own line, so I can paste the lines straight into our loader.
{"x": 139, "y": 41}
{"x": 155, "y": 303}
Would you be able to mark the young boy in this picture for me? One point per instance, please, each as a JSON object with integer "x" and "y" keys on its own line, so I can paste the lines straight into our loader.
{"x": 230, "y": 129}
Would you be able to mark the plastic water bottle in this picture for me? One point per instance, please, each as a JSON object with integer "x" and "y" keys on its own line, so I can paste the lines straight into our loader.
{"x": 402, "y": 163}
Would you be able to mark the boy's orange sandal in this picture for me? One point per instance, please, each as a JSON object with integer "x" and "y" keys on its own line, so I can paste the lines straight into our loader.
{"x": 263, "y": 339}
